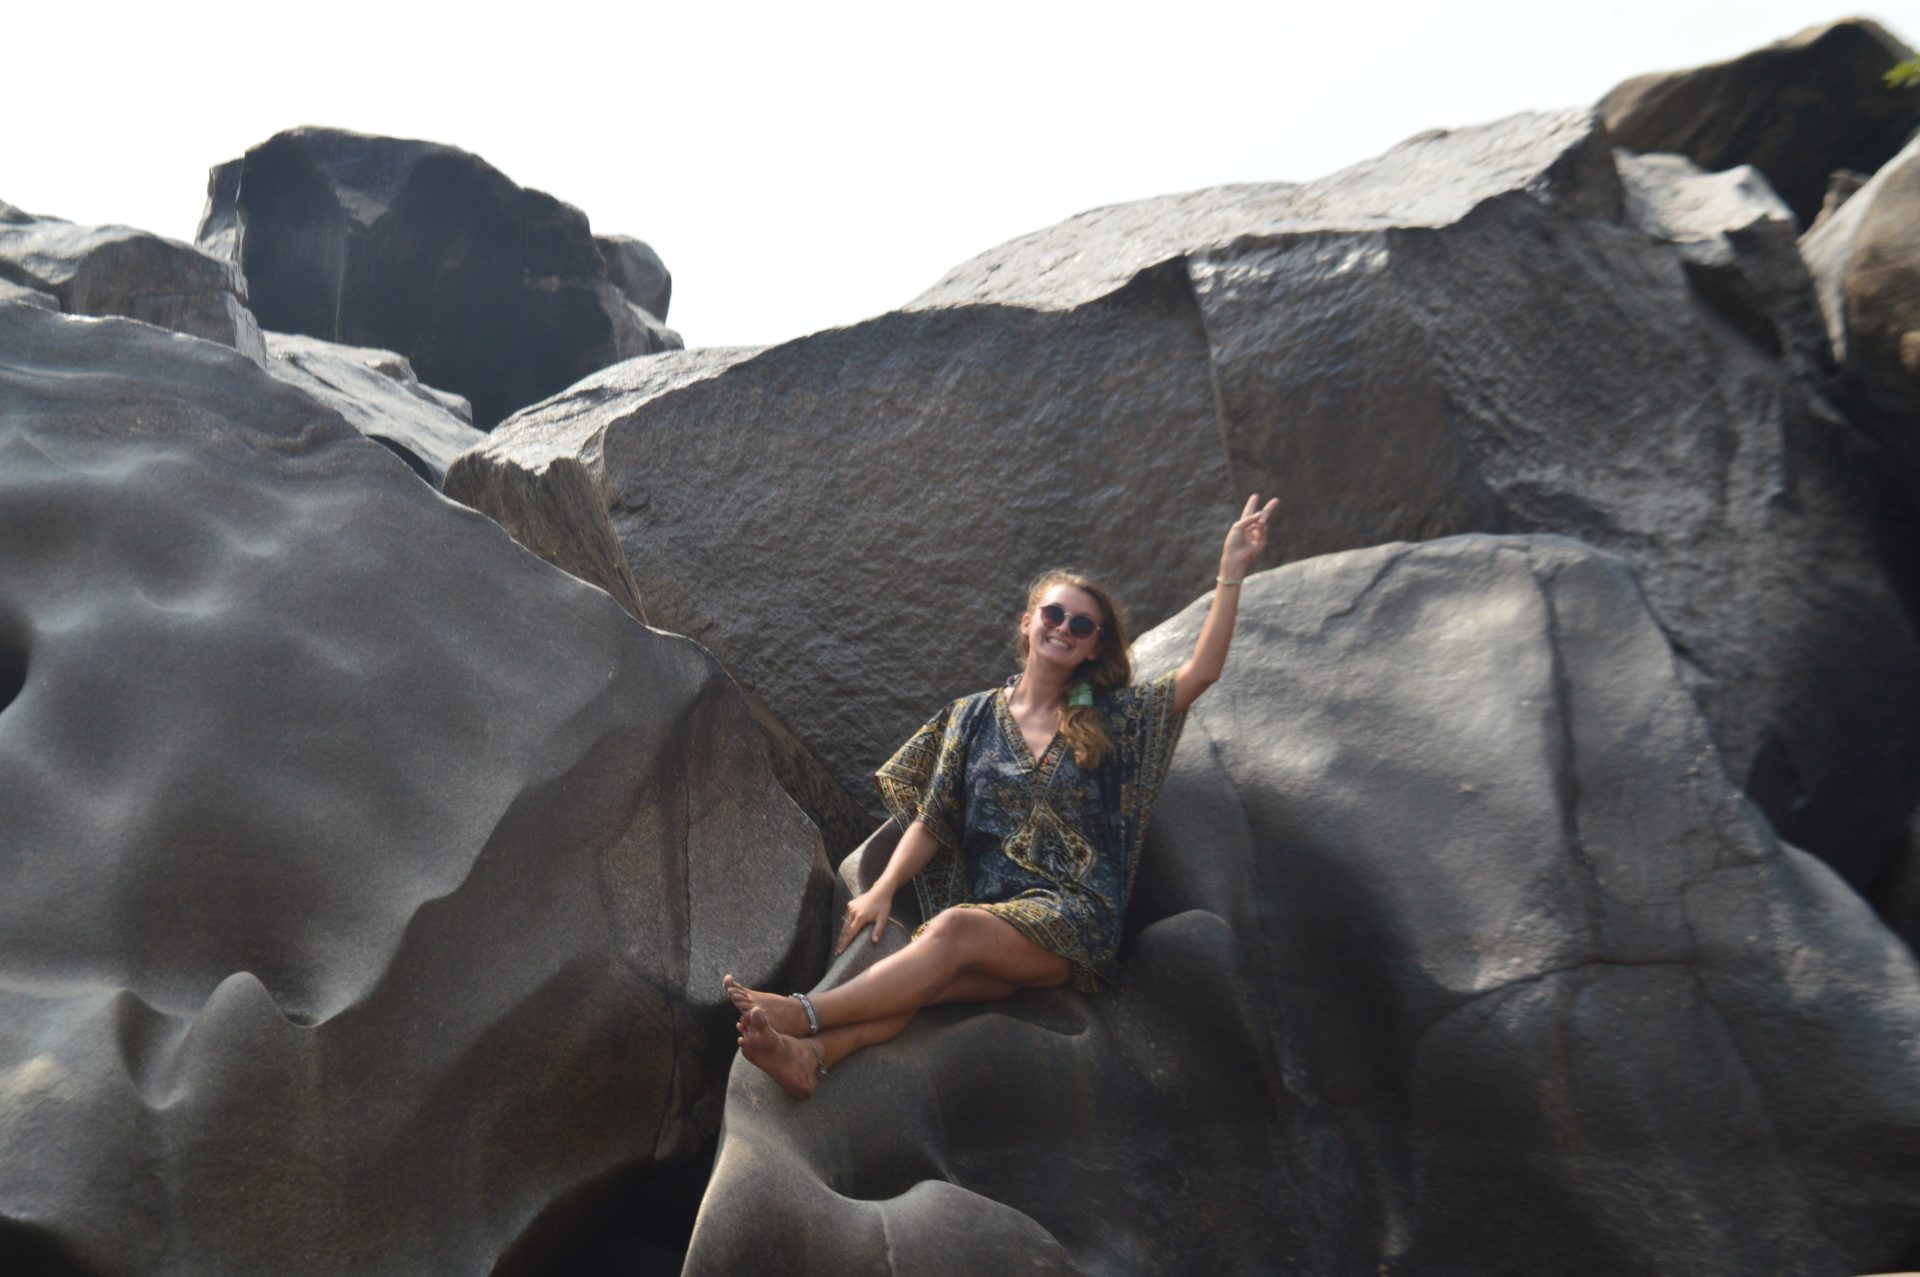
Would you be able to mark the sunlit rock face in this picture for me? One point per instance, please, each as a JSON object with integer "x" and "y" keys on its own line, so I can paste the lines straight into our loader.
{"x": 1797, "y": 110}
{"x": 1866, "y": 259}
{"x": 1454, "y": 950}
{"x": 378, "y": 394}
{"x": 365, "y": 883}
{"x": 1507, "y": 328}
{"x": 117, "y": 270}
{"x": 494, "y": 291}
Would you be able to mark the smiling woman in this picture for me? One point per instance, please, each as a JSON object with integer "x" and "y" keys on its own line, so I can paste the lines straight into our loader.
{"x": 1024, "y": 810}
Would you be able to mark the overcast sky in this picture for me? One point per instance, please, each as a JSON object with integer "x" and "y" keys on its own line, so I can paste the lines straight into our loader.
{"x": 800, "y": 166}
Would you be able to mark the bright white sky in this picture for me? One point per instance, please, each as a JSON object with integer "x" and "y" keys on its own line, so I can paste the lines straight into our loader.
{"x": 805, "y": 165}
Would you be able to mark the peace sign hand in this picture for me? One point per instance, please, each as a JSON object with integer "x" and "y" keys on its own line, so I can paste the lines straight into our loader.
{"x": 1247, "y": 537}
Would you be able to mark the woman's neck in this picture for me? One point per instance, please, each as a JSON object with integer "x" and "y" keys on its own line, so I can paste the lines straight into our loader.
{"x": 1040, "y": 686}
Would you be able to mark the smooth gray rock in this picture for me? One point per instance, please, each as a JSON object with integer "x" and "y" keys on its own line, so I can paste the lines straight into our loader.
{"x": 378, "y": 394}
{"x": 637, "y": 271}
{"x": 116, "y": 270}
{"x": 12, "y": 292}
{"x": 1454, "y": 951}
{"x": 1866, "y": 261}
{"x": 365, "y": 883}
{"x": 493, "y": 291}
{"x": 1501, "y": 328}
{"x": 1796, "y": 110}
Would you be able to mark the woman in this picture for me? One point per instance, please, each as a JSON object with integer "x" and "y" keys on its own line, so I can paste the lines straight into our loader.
{"x": 1024, "y": 809}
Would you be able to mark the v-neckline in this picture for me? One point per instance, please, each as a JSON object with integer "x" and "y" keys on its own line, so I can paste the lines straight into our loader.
{"x": 1018, "y": 739}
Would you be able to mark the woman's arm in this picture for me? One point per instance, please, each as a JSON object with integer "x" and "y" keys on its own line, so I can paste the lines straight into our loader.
{"x": 871, "y": 907}
{"x": 1245, "y": 540}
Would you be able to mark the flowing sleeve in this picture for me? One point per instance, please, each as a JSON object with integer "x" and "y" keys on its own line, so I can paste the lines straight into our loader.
{"x": 925, "y": 780}
{"x": 1145, "y": 730}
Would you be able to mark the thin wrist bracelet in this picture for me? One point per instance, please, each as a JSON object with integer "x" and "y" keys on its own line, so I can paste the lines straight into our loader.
{"x": 1221, "y": 580}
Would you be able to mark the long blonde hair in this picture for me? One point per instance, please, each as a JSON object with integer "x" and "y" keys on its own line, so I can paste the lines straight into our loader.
{"x": 1085, "y": 731}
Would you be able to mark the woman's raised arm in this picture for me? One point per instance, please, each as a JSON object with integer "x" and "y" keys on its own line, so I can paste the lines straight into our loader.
{"x": 1245, "y": 540}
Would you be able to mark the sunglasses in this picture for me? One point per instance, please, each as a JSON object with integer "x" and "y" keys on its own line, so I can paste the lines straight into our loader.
{"x": 1079, "y": 624}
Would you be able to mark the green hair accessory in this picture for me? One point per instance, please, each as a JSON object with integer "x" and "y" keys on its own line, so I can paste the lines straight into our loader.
{"x": 1081, "y": 694}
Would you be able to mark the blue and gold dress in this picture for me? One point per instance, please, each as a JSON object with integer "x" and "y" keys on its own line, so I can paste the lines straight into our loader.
{"x": 1049, "y": 847}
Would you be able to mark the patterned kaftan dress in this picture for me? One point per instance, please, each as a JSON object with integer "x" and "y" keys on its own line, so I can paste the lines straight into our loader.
{"x": 1048, "y": 847}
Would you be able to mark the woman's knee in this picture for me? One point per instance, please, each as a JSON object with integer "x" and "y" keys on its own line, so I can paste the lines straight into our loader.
{"x": 958, "y": 931}
{"x": 960, "y": 934}
{"x": 980, "y": 941}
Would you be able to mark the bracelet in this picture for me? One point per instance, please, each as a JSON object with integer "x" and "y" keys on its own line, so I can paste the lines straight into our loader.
{"x": 1221, "y": 580}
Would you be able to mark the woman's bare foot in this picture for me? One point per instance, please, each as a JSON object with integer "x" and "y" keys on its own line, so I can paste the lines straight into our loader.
{"x": 792, "y": 1064}
{"x": 784, "y": 1014}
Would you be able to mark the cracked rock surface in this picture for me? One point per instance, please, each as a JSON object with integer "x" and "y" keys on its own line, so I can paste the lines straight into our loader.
{"x": 1454, "y": 950}
{"x": 365, "y": 883}
{"x": 1506, "y": 328}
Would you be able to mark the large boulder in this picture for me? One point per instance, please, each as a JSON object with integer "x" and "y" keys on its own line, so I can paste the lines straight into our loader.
{"x": 367, "y": 882}
{"x": 548, "y": 489}
{"x": 493, "y": 291}
{"x": 1866, "y": 261}
{"x": 378, "y": 394}
{"x": 1502, "y": 328}
{"x": 1796, "y": 110}
{"x": 1454, "y": 951}
{"x": 637, "y": 271}
{"x": 116, "y": 270}
{"x": 1737, "y": 244}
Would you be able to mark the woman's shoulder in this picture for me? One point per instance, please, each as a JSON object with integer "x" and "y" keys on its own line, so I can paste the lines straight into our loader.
{"x": 1139, "y": 695}
{"x": 1141, "y": 687}
{"x": 974, "y": 704}
{"x": 965, "y": 709}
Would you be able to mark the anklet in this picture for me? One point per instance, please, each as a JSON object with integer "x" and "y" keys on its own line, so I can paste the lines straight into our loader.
{"x": 819, "y": 1055}
{"x": 806, "y": 1004}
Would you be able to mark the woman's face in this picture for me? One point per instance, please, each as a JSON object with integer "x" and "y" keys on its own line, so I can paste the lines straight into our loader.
{"x": 1056, "y": 644}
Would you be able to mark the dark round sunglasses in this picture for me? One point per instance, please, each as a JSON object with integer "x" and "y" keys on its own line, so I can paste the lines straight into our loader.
{"x": 1079, "y": 624}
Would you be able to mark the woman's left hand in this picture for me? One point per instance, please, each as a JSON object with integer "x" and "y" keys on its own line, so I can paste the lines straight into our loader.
{"x": 1247, "y": 537}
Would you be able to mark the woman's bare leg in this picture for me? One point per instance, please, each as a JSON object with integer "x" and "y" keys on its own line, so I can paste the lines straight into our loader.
{"x": 838, "y": 1044}
{"x": 782, "y": 1012}
{"x": 790, "y": 1061}
{"x": 959, "y": 942}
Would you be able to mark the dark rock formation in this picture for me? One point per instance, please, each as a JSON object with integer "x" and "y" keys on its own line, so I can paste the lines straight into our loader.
{"x": 1866, "y": 259}
{"x": 377, "y": 393}
{"x": 116, "y": 270}
{"x": 637, "y": 271}
{"x": 1796, "y": 110}
{"x": 1455, "y": 951}
{"x": 1842, "y": 185}
{"x": 496, "y": 292}
{"x": 367, "y": 882}
{"x": 1501, "y": 328}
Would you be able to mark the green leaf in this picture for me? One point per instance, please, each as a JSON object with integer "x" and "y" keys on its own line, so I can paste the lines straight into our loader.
{"x": 1907, "y": 72}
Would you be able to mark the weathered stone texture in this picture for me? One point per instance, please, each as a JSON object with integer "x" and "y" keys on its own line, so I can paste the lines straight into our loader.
{"x": 365, "y": 883}
{"x": 1454, "y": 951}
